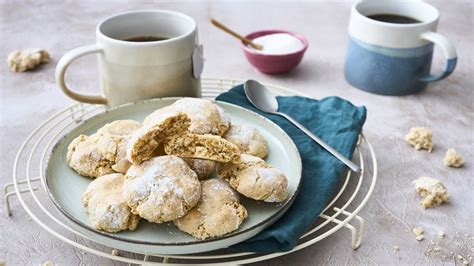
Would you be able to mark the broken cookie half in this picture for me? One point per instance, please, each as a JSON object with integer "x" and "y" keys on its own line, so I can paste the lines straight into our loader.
{"x": 146, "y": 141}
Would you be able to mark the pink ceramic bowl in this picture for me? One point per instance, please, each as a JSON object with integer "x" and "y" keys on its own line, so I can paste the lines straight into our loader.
{"x": 274, "y": 64}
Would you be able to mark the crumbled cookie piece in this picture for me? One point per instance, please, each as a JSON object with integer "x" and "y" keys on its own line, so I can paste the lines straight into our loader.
{"x": 453, "y": 159}
{"x": 396, "y": 248}
{"x": 420, "y": 138}
{"x": 432, "y": 192}
{"x": 106, "y": 205}
{"x": 219, "y": 211}
{"x": 441, "y": 235}
{"x": 115, "y": 252}
{"x": 209, "y": 147}
{"x": 20, "y": 61}
{"x": 419, "y": 233}
{"x": 48, "y": 263}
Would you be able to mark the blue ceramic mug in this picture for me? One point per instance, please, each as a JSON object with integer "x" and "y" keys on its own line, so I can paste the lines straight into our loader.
{"x": 392, "y": 58}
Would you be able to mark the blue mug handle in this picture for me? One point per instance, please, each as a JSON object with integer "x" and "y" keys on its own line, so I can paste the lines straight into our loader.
{"x": 449, "y": 52}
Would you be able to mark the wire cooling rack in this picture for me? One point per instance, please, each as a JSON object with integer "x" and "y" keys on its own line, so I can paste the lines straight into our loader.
{"x": 341, "y": 212}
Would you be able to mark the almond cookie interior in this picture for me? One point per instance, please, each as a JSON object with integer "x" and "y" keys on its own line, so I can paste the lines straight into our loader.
{"x": 208, "y": 147}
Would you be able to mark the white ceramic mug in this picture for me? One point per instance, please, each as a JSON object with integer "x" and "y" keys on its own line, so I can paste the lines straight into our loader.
{"x": 132, "y": 71}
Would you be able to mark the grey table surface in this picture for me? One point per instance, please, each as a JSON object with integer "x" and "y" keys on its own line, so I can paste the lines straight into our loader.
{"x": 393, "y": 210}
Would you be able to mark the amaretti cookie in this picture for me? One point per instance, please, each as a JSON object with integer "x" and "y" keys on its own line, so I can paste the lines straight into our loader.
{"x": 267, "y": 184}
{"x": 107, "y": 208}
{"x": 206, "y": 116}
{"x": 248, "y": 139}
{"x": 217, "y": 213}
{"x": 104, "y": 152}
{"x": 209, "y": 147}
{"x": 94, "y": 155}
{"x": 161, "y": 189}
{"x": 145, "y": 141}
{"x": 254, "y": 178}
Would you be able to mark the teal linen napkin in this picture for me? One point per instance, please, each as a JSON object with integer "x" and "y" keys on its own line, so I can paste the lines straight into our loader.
{"x": 334, "y": 120}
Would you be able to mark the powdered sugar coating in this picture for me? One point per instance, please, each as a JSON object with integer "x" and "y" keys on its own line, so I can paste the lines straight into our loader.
{"x": 217, "y": 213}
{"x": 161, "y": 189}
{"x": 248, "y": 139}
{"x": 120, "y": 127}
{"x": 104, "y": 152}
{"x": 206, "y": 116}
{"x": 106, "y": 206}
{"x": 267, "y": 184}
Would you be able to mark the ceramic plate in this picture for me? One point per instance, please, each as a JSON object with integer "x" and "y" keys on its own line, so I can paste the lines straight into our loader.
{"x": 65, "y": 186}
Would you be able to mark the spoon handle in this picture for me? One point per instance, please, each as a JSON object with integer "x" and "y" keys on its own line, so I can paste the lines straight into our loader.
{"x": 323, "y": 144}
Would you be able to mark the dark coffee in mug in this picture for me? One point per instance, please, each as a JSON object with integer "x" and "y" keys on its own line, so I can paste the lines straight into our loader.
{"x": 146, "y": 39}
{"x": 393, "y": 18}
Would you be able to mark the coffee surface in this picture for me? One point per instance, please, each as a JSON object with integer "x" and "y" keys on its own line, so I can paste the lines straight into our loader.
{"x": 146, "y": 39}
{"x": 392, "y": 18}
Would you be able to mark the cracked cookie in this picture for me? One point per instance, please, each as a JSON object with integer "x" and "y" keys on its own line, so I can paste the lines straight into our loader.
{"x": 107, "y": 208}
{"x": 104, "y": 152}
{"x": 267, "y": 184}
{"x": 217, "y": 213}
{"x": 248, "y": 139}
{"x": 206, "y": 116}
{"x": 161, "y": 189}
{"x": 254, "y": 178}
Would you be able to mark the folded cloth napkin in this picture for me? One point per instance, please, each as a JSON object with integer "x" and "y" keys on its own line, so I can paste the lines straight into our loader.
{"x": 339, "y": 124}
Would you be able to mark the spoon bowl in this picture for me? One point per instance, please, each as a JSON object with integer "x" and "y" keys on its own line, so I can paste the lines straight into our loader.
{"x": 260, "y": 96}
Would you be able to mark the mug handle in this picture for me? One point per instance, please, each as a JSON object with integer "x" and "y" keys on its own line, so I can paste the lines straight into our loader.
{"x": 449, "y": 52}
{"x": 64, "y": 63}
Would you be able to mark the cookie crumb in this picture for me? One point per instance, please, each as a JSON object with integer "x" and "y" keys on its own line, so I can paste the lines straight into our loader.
{"x": 432, "y": 192}
{"x": 48, "y": 263}
{"x": 2, "y": 262}
{"x": 420, "y": 138}
{"x": 396, "y": 248}
{"x": 441, "y": 235}
{"x": 453, "y": 159}
{"x": 115, "y": 252}
{"x": 20, "y": 61}
{"x": 418, "y": 231}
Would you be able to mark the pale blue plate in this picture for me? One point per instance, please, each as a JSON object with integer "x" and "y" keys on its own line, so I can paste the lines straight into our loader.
{"x": 65, "y": 186}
